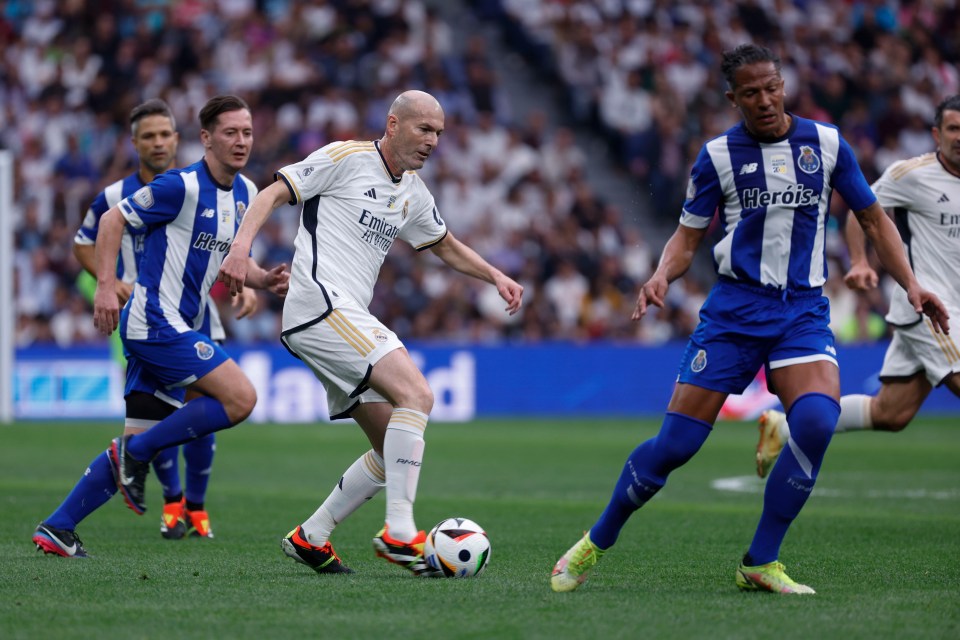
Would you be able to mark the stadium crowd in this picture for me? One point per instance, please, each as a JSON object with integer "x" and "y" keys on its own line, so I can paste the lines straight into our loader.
{"x": 643, "y": 73}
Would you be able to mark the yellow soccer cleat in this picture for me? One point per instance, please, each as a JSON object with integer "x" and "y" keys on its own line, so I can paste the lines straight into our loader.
{"x": 769, "y": 577}
{"x": 573, "y": 568}
{"x": 773, "y": 424}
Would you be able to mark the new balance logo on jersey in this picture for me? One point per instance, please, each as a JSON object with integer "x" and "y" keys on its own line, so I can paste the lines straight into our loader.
{"x": 207, "y": 213}
{"x": 794, "y": 196}
{"x": 209, "y": 242}
{"x": 750, "y": 167}
{"x": 943, "y": 198}
{"x": 371, "y": 194}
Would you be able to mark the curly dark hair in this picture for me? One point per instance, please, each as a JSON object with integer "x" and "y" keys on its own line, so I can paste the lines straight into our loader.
{"x": 743, "y": 55}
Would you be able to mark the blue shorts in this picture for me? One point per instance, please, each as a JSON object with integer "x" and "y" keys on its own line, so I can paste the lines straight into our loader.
{"x": 165, "y": 366}
{"x": 743, "y": 327}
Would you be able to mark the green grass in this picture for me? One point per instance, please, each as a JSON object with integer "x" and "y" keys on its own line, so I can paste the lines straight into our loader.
{"x": 880, "y": 541}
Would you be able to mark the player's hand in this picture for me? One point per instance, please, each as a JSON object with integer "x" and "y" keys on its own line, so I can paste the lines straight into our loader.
{"x": 512, "y": 292}
{"x": 233, "y": 271}
{"x": 928, "y": 303}
{"x": 124, "y": 289}
{"x": 106, "y": 310}
{"x": 246, "y": 303}
{"x": 277, "y": 280}
{"x": 653, "y": 291}
{"x": 861, "y": 277}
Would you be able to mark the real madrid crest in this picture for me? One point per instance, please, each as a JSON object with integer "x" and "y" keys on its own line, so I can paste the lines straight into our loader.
{"x": 406, "y": 205}
{"x": 808, "y": 160}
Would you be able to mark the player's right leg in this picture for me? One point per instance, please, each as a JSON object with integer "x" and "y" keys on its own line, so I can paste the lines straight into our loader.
{"x": 643, "y": 475}
{"x": 57, "y": 533}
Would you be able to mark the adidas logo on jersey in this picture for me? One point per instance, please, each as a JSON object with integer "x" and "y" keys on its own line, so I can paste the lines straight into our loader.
{"x": 943, "y": 198}
{"x": 372, "y": 193}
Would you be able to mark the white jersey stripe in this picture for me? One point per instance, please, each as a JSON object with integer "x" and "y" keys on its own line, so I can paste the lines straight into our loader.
{"x": 179, "y": 239}
{"x": 778, "y": 225}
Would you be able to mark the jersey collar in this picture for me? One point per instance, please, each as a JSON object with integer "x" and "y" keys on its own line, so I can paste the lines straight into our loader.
{"x": 945, "y": 167}
{"x": 206, "y": 168}
{"x": 790, "y": 131}
{"x": 386, "y": 167}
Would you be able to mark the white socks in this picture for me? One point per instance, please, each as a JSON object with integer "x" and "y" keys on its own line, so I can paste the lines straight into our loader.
{"x": 359, "y": 483}
{"x": 402, "y": 456}
{"x": 854, "y": 413}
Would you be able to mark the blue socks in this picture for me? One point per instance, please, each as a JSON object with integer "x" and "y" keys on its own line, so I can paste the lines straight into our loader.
{"x": 167, "y": 467}
{"x": 812, "y": 419}
{"x": 199, "y": 458}
{"x": 192, "y": 421}
{"x": 646, "y": 471}
{"x": 93, "y": 490}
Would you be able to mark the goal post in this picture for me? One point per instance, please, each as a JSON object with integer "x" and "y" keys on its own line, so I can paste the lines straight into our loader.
{"x": 7, "y": 299}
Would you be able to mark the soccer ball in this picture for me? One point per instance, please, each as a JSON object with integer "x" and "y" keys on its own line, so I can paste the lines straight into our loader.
{"x": 457, "y": 547}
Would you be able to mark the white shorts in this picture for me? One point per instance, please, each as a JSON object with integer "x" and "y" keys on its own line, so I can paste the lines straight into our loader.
{"x": 341, "y": 350}
{"x": 919, "y": 348}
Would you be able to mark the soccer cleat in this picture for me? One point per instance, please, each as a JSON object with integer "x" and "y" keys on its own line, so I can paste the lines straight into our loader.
{"x": 408, "y": 555}
{"x": 131, "y": 475}
{"x": 198, "y": 523}
{"x": 574, "y": 567}
{"x": 173, "y": 523}
{"x": 769, "y": 577}
{"x": 321, "y": 559}
{"x": 59, "y": 542}
{"x": 771, "y": 443}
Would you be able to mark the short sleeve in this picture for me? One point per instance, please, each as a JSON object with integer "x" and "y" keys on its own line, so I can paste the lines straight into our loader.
{"x": 156, "y": 204}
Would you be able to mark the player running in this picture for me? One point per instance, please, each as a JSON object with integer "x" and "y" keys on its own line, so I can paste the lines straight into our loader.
{"x": 770, "y": 177}
{"x": 357, "y": 199}
{"x": 924, "y": 194}
{"x": 192, "y": 215}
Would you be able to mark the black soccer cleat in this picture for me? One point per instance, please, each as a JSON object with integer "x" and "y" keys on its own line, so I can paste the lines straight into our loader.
{"x": 321, "y": 559}
{"x": 59, "y": 542}
{"x": 131, "y": 475}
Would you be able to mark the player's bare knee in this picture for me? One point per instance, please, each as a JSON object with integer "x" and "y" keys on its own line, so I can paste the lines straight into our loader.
{"x": 241, "y": 402}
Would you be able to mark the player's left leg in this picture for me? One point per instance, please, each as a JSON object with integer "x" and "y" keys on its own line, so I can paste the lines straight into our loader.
{"x": 396, "y": 377}
{"x": 228, "y": 399}
{"x": 809, "y": 390}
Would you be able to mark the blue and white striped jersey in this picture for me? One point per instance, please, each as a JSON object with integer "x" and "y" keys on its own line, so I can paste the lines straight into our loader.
{"x": 131, "y": 244}
{"x": 774, "y": 199}
{"x": 191, "y": 222}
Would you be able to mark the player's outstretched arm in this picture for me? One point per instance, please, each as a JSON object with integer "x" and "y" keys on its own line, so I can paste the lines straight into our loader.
{"x": 861, "y": 275}
{"x": 465, "y": 260}
{"x": 676, "y": 258}
{"x": 106, "y": 307}
{"x": 233, "y": 270}
{"x": 886, "y": 241}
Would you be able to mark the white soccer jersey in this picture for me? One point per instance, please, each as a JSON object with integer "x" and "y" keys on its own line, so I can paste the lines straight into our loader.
{"x": 353, "y": 210}
{"x": 925, "y": 199}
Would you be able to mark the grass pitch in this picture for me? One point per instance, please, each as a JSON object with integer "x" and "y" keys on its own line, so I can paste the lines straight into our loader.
{"x": 879, "y": 540}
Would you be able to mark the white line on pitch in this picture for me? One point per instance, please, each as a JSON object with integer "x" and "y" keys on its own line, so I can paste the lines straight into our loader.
{"x": 753, "y": 484}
